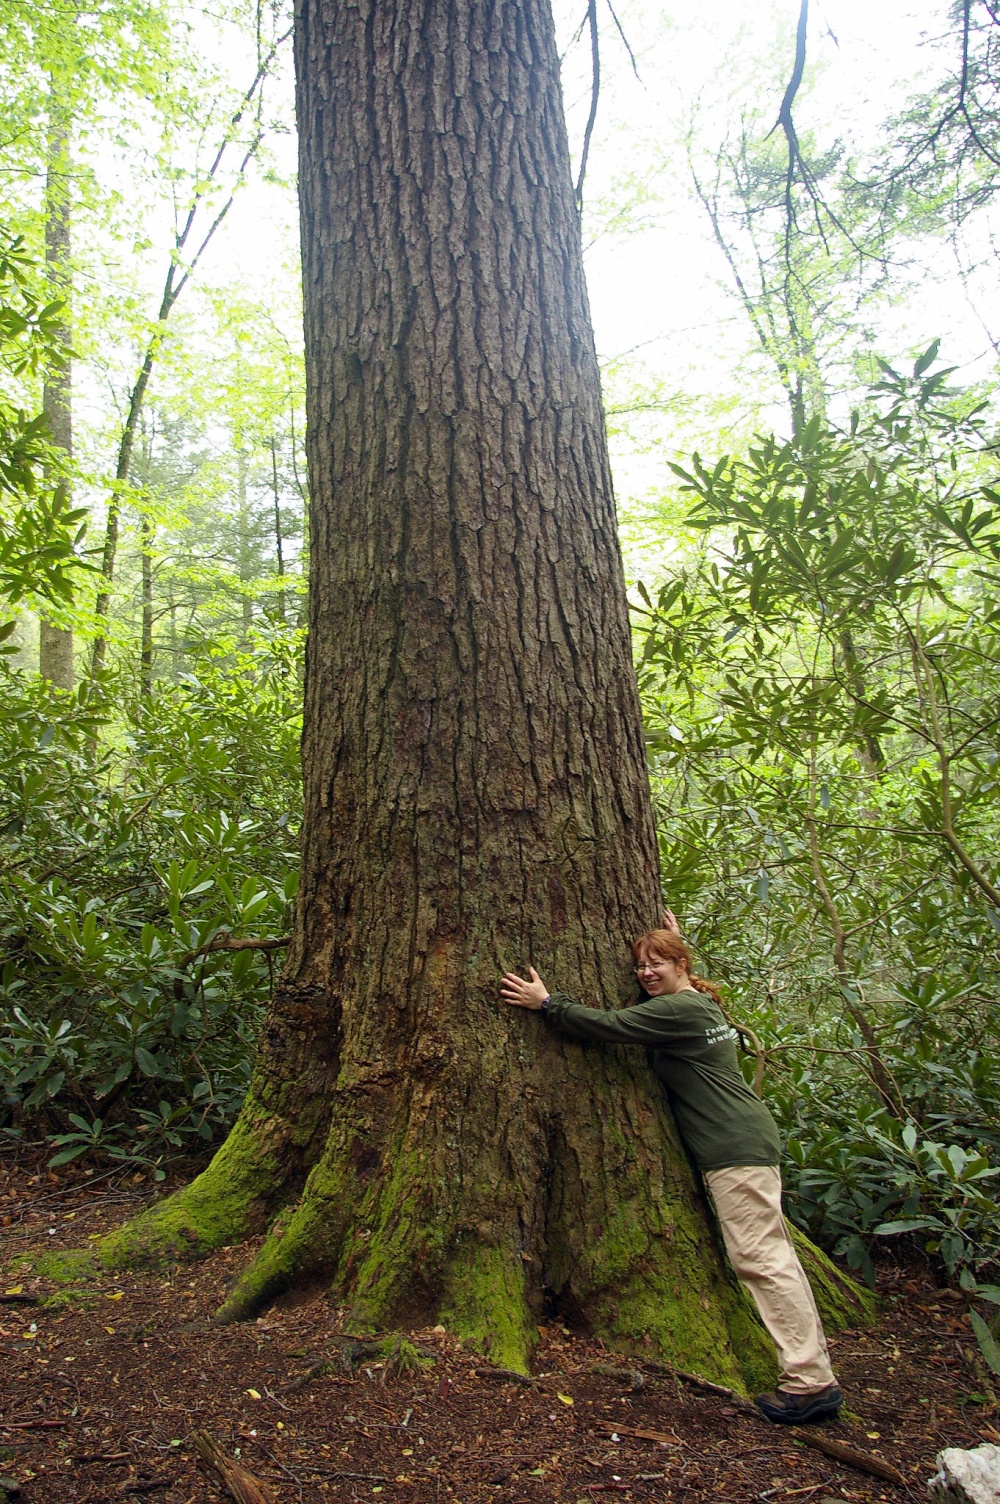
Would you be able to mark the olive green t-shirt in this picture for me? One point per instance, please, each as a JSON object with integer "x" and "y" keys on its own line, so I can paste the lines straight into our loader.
{"x": 693, "y": 1051}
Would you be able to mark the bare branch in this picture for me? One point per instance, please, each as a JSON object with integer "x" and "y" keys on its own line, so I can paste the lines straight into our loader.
{"x": 628, "y": 49}
{"x": 224, "y": 941}
{"x": 595, "y": 58}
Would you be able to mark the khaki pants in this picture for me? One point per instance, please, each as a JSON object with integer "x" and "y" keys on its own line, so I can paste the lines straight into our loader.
{"x": 747, "y": 1200}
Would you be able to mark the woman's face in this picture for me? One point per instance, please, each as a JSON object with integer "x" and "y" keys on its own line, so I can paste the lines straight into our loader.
{"x": 660, "y": 978}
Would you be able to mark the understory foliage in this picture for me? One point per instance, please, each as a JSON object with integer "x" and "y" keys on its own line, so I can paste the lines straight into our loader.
{"x": 821, "y": 678}
{"x": 131, "y": 846}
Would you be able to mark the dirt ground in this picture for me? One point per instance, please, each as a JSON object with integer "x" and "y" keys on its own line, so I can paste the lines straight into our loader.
{"x": 103, "y": 1390}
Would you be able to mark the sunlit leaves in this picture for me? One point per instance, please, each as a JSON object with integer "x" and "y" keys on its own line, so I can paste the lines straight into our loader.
{"x": 40, "y": 532}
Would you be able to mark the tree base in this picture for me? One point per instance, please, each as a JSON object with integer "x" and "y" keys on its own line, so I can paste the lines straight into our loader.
{"x": 226, "y": 1203}
{"x": 659, "y": 1291}
{"x": 479, "y": 1198}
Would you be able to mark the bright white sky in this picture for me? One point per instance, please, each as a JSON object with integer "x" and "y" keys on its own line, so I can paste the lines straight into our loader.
{"x": 664, "y": 291}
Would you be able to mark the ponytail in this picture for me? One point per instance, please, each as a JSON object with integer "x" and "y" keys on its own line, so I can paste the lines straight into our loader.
{"x": 700, "y": 985}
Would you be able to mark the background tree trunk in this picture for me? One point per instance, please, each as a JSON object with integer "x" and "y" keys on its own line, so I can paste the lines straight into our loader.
{"x": 475, "y": 781}
{"x": 244, "y": 559}
{"x": 55, "y": 643}
{"x": 279, "y": 541}
{"x": 146, "y": 542}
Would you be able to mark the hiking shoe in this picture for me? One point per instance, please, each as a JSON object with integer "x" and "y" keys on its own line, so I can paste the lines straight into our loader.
{"x": 793, "y": 1409}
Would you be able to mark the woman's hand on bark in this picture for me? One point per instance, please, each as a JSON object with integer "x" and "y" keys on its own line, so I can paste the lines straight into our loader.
{"x": 670, "y": 922}
{"x": 521, "y": 994}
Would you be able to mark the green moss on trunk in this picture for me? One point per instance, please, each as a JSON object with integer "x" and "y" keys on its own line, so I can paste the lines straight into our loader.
{"x": 302, "y": 1244}
{"x": 841, "y": 1301}
{"x": 227, "y": 1202}
{"x": 485, "y": 1302}
{"x": 654, "y": 1285}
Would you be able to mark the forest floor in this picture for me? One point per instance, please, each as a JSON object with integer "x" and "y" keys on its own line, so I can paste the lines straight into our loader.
{"x": 104, "y": 1388}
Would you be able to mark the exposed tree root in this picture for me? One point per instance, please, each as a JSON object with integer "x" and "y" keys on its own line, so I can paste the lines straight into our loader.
{"x": 227, "y": 1202}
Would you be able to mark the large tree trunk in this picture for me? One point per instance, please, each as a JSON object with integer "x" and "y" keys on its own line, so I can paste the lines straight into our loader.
{"x": 475, "y": 782}
{"x": 55, "y": 643}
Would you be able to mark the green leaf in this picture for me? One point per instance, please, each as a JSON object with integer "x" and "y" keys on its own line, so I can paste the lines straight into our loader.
{"x": 65, "y": 1155}
{"x": 45, "y": 1089}
{"x": 928, "y": 358}
{"x": 906, "y": 1224}
{"x": 988, "y": 1346}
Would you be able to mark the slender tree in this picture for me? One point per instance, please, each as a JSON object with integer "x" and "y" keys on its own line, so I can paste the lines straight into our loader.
{"x": 279, "y": 549}
{"x": 55, "y": 643}
{"x": 213, "y": 190}
{"x": 476, "y": 792}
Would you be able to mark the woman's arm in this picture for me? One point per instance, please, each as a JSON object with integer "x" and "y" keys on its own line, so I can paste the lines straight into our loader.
{"x": 655, "y": 1021}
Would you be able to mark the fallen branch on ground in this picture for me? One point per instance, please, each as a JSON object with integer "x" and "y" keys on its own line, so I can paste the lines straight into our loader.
{"x": 694, "y": 1379}
{"x": 239, "y": 1484}
{"x": 697, "y": 1382}
{"x": 864, "y": 1461}
{"x": 505, "y": 1376}
{"x": 662, "y": 1437}
{"x": 32, "y": 1425}
{"x": 633, "y": 1378}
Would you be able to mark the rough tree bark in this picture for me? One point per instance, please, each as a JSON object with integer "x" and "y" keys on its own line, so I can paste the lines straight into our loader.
{"x": 475, "y": 783}
{"x": 55, "y": 643}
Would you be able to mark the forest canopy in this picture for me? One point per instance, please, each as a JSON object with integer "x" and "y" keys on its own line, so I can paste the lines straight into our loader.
{"x": 788, "y": 238}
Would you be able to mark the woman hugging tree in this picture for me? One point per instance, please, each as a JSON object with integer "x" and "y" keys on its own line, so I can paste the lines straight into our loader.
{"x": 732, "y": 1138}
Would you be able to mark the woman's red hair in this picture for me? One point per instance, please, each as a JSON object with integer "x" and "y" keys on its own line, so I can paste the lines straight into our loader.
{"x": 664, "y": 945}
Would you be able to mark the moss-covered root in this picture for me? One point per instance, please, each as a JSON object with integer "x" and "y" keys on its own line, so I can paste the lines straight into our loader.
{"x": 388, "y": 1274}
{"x": 302, "y": 1245}
{"x": 841, "y": 1302}
{"x": 228, "y": 1201}
{"x": 486, "y": 1304}
{"x": 71, "y": 1266}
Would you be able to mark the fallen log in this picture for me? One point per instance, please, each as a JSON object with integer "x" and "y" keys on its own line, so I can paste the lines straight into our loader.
{"x": 663, "y": 1437}
{"x": 240, "y": 1484}
{"x": 863, "y": 1461}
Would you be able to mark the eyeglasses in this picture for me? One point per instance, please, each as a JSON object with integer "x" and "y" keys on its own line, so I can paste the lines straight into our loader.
{"x": 649, "y": 966}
